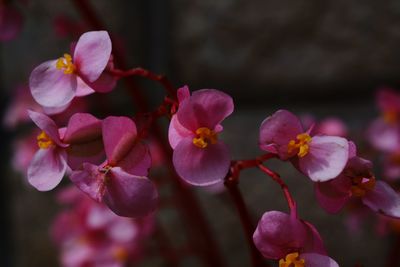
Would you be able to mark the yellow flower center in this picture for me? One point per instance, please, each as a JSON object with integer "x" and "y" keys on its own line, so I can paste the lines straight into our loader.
{"x": 65, "y": 63}
{"x": 204, "y": 137}
{"x": 361, "y": 185}
{"x": 292, "y": 260}
{"x": 301, "y": 145}
{"x": 44, "y": 141}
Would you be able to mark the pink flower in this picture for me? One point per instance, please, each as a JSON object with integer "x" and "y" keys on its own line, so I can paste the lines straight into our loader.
{"x": 319, "y": 157}
{"x": 24, "y": 149}
{"x": 331, "y": 126}
{"x": 120, "y": 181}
{"x": 292, "y": 241}
{"x": 10, "y": 22}
{"x": 357, "y": 180}
{"x": 199, "y": 157}
{"x": 55, "y": 83}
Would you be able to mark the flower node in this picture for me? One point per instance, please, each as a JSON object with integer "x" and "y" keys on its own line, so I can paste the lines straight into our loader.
{"x": 204, "y": 136}
{"x": 360, "y": 185}
{"x": 65, "y": 63}
{"x": 44, "y": 141}
{"x": 301, "y": 145}
{"x": 292, "y": 260}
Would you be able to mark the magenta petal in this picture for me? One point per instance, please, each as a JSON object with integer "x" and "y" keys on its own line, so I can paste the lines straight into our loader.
{"x": 183, "y": 93}
{"x": 333, "y": 195}
{"x": 317, "y": 260}
{"x": 383, "y": 199}
{"x": 47, "y": 125}
{"x": 314, "y": 242}
{"x": 92, "y": 53}
{"x": 137, "y": 161}
{"x": 129, "y": 195}
{"x": 277, "y": 130}
{"x": 201, "y": 166}
{"x": 205, "y": 108}
{"x": 82, "y": 128}
{"x": 177, "y": 132}
{"x": 326, "y": 158}
{"x": 50, "y": 87}
{"x": 47, "y": 168}
{"x": 90, "y": 180}
{"x": 119, "y": 136}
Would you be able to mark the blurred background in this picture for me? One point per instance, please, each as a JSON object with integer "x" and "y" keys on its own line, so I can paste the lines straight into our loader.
{"x": 323, "y": 58}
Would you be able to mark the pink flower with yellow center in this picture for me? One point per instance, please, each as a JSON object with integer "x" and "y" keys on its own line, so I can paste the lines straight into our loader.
{"x": 320, "y": 157}
{"x": 199, "y": 157}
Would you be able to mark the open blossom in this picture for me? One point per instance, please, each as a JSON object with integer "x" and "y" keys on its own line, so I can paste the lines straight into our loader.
{"x": 319, "y": 157}
{"x": 120, "y": 182}
{"x": 199, "y": 157}
{"x": 60, "y": 148}
{"x": 292, "y": 241}
{"x": 357, "y": 180}
{"x": 55, "y": 83}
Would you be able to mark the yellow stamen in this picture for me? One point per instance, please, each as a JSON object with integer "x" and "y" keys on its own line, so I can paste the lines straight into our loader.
{"x": 44, "y": 141}
{"x": 301, "y": 144}
{"x": 65, "y": 63}
{"x": 292, "y": 260}
{"x": 361, "y": 185}
{"x": 120, "y": 254}
{"x": 204, "y": 137}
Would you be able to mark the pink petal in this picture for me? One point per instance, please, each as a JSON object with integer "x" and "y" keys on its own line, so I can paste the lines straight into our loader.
{"x": 383, "y": 199}
{"x": 50, "y": 87}
{"x": 47, "y": 168}
{"x": 326, "y": 158}
{"x": 201, "y": 166}
{"x": 177, "y": 132}
{"x": 388, "y": 99}
{"x": 314, "y": 242}
{"x": 129, "y": 195}
{"x": 83, "y": 89}
{"x": 317, "y": 260}
{"x": 205, "y": 108}
{"x": 334, "y": 194}
{"x": 104, "y": 84}
{"x": 384, "y": 136}
{"x": 47, "y": 125}
{"x": 90, "y": 152}
{"x": 10, "y": 22}
{"x": 183, "y": 93}
{"x": 92, "y": 53}
{"x": 332, "y": 126}
{"x": 82, "y": 128}
{"x": 119, "y": 136}
{"x": 137, "y": 161}
{"x": 352, "y": 149}
{"x": 278, "y": 234}
{"x": 90, "y": 180}
{"x": 277, "y": 130}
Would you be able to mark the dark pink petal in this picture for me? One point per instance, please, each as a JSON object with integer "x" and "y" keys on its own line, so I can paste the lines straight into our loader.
{"x": 47, "y": 125}
{"x": 90, "y": 152}
{"x": 90, "y": 180}
{"x": 279, "y": 234}
{"x": 358, "y": 167}
{"x": 104, "y": 84}
{"x": 92, "y": 53}
{"x": 334, "y": 194}
{"x": 383, "y": 199}
{"x": 83, "y": 89}
{"x": 119, "y": 136}
{"x": 205, "y": 108}
{"x": 51, "y": 87}
{"x": 277, "y": 130}
{"x": 82, "y": 128}
{"x": 326, "y": 158}
{"x": 10, "y": 22}
{"x": 384, "y": 136}
{"x": 388, "y": 99}
{"x": 137, "y": 161}
{"x": 177, "y": 132}
{"x": 314, "y": 241}
{"x": 47, "y": 168}
{"x": 183, "y": 93}
{"x": 201, "y": 166}
{"x": 352, "y": 149}
{"x": 317, "y": 260}
{"x": 129, "y": 195}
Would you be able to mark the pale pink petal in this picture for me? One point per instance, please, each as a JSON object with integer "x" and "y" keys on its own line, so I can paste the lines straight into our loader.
{"x": 47, "y": 125}
{"x": 183, "y": 93}
{"x": 82, "y": 128}
{"x": 47, "y": 168}
{"x": 10, "y": 22}
{"x": 277, "y": 131}
{"x": 92, "y": 53}
{"x": 334, "y": 194}
{"x": 55, "y": 110}
{"x": 201, "y": 166}
{"x": 51, "y": 87}
{"x": 383, "y": 199}
{"x": 205, "y": 108}
{"x": 129, "y": 195}
{"x": 317, "y": 260}
{"x": 137, "y": 161}
{"x": 177, "y": 132}
{"x": 384, "y": 136}
{"x": 326, "y": 158}
{"x": 119, "y": 136}
{"x": 90, "y": 180}
{"x": 104, "y": 84}
{"x": 83, "y": 89}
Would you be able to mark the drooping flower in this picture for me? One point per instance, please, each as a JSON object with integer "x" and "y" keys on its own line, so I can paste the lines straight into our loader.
{"x": 319, "y": 157}
{"x": 292, "y": 241}
{"x": 120, "y": 182}
{"x": 357, "y": 180}
{"x": 55, "y": 83}
{"x": 199, "y": 157}
{"x": 10, "y": 22}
